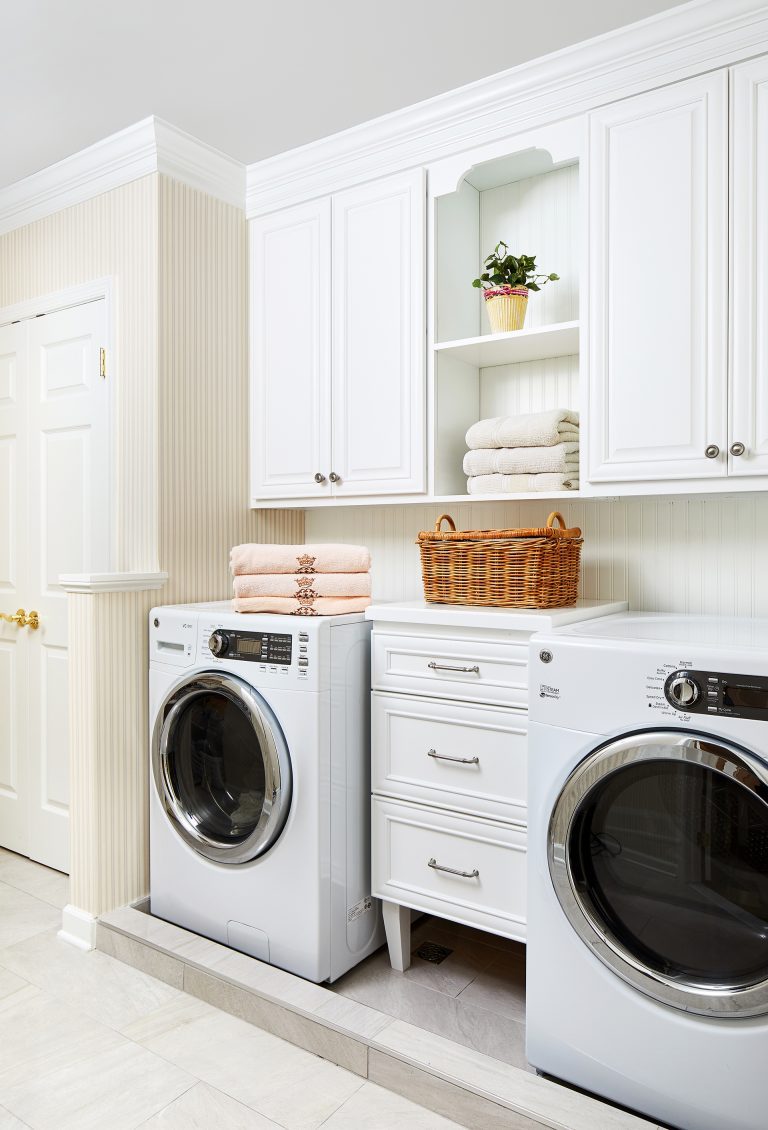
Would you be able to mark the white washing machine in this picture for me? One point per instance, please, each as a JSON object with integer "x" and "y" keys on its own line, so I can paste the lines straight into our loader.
{"x": 648, "y": 855}
{"x": 260, "y": 784}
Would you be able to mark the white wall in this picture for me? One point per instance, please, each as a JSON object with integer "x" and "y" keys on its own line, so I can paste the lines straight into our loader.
{"x": 694, "y": 555}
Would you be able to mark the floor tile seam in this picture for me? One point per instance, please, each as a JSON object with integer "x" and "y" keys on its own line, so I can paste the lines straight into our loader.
{"x": 475, "y": 1089}
{"x": 195, "y": 1083}
{"x": 484, "y": 1008}
{"x": 32, "y": 894}
{"x": 21, "y": 1120}
{"x": 348, "y": 1099}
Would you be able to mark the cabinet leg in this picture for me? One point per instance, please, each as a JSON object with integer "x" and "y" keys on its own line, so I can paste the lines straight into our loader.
{"x": 397, "y": 926}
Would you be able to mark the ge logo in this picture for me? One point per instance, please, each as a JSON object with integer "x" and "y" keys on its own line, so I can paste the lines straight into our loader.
{"x": 545, "y": 656}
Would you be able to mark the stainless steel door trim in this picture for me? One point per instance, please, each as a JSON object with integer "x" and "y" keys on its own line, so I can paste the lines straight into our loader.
{"x": 277, "y": 766}
{"x": 716, "y": 754}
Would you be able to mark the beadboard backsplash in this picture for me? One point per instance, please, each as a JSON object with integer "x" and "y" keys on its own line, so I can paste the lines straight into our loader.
{"x": 697, "y": 555}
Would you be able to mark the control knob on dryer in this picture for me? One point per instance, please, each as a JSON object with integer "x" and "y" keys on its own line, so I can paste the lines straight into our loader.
{"x": 219, "y": 643}
{"x": 683, "y": 692}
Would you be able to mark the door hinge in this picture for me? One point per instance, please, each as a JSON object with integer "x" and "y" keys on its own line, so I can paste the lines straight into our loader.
{"x": 102, "y": 362}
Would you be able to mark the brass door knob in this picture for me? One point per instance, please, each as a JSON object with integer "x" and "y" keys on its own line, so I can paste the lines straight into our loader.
{"x": 19, "y": 617}
{"x": 33, "y": 620}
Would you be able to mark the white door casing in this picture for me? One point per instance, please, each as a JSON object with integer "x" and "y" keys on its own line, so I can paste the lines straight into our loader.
{"x": 14, "y": 822}
{"x": 658, "y": 284}
{"x": 749, "y": 270}
{"x": 62, "y": 495}
{"x": 379, "y": 346}
{"x": 291, "y": 351}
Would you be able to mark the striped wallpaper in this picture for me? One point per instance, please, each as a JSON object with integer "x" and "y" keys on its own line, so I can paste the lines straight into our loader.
{"x": 177, "y": 258}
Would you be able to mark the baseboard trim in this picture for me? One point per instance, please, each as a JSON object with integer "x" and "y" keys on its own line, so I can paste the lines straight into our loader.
{"x": 78, "y": 928}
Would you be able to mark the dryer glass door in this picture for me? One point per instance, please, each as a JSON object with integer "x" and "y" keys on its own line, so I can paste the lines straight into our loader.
{"x": 659, "y": 855}
{"x": 221, "y": 767}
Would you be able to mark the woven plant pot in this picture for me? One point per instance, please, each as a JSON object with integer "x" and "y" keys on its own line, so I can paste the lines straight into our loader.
{"x": 506, "y": 306}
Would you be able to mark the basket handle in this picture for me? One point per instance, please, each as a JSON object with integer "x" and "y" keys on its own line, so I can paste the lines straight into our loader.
{"x": 551, "y": 520}
{"x": 447, "y": 518}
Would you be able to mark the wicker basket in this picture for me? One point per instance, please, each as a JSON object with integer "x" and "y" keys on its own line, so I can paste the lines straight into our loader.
{"x": 503, "y": 568}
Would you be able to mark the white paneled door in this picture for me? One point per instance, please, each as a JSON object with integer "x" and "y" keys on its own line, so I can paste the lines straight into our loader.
{"x": 54, "y": 503}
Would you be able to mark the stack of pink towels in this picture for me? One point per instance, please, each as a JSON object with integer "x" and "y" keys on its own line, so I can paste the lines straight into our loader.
{"x": 301, "y": 580}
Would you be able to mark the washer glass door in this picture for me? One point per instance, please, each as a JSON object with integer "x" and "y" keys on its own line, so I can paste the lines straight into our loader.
{"x": 221, "y": 767}
{"x": 658, "y": 851}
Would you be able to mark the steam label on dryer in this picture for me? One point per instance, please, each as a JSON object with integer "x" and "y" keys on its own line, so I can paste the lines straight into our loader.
{"x": 546, "y": 691}
{"x": 359, "y": 909}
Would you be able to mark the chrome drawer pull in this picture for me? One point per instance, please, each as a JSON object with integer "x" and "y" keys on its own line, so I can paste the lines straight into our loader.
{"x": 460, "y": 760}
{"x": 452, "y": 870}
{"x": 444, "y": 667}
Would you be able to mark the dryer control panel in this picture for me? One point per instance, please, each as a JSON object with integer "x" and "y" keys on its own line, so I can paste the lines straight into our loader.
{"x": 714, "y": 692}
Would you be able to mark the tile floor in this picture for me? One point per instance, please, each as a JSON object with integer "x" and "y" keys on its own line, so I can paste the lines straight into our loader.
{"x": 87, "y": 1042}
{"x": 475, "y": 996}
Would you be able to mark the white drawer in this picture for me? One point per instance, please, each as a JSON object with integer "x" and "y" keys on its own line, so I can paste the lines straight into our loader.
{"x": 473, "y": 670}
{"x": 467, "y": 757}
{"x": 413, "y": 844}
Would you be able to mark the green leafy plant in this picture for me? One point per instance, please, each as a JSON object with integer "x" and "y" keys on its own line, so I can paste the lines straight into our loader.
{"x": 503, "y": 269}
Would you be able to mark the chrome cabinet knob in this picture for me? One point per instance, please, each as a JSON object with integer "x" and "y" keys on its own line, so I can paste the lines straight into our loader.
{"x": 334, "y": 477}
{"x": 737, "y": 449}
{"x": 319, "y": 477}
{"x": 712, "y": 451}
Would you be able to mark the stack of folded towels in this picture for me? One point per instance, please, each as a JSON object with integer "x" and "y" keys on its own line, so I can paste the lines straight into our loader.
{"x": 301, "y": 580}
{"x": 510, "y": 454}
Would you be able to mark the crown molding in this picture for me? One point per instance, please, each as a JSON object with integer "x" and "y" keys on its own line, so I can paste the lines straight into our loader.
{"x": 149, "y": 146}
{"x": 667, "y": 47}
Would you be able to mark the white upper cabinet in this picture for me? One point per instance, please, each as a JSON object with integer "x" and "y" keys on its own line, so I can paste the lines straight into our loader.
{"x": 338, "y": 345}
{"x": 291, "y": 351}
{"x": 658, "y": 289}
{"x": 748, "y": 448}
{"x": 379, "y": 346}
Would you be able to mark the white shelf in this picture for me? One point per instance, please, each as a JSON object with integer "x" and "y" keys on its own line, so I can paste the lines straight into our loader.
{"x": 408, "y": 500}
{"x": 559, "y": 340}
{"x": 486, "y": 616}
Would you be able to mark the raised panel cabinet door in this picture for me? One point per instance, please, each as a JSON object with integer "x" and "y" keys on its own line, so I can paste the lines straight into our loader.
{"x": 658, "y": 289}
{"x": 379, "y": 345}
{"x": 748, "y": 440}
{"x": 69, "y": 519}
{"x": 14, "y": 652}
{"x": 291, "y": 352}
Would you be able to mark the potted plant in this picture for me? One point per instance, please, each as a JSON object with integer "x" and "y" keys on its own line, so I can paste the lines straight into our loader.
{"x": 505, "y": 282}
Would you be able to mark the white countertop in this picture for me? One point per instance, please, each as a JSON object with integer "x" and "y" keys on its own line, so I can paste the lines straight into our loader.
{"x": 506, "y": 619}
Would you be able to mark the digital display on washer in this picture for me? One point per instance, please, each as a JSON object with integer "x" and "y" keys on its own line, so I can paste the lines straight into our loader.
{"x": 747, "y": 697}
{"x": 264, "y": 647}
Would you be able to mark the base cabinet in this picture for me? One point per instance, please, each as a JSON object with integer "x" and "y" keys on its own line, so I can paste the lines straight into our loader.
{"x": 449, "y": 780}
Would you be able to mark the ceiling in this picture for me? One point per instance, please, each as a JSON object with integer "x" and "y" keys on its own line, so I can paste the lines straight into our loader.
{"x": 251, "y": 77}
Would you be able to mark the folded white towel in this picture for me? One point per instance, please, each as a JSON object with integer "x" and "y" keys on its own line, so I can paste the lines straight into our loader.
{"x": 516, "y": 484}
{"x": 536, "y": 429}
{"x": 523, "y": 460}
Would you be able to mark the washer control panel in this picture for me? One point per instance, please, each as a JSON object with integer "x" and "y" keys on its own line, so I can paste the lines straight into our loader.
{"x": 256, "y": 647}
{"x": 713, "y": 692}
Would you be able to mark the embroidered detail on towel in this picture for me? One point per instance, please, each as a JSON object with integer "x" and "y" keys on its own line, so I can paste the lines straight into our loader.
{"x": 305, "y": 610}
{"x": 306, "y": 563}
{"x": 307, "y": 596}
{"x": 304, "y": 582}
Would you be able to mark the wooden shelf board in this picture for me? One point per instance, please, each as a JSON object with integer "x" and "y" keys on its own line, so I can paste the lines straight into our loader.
{"x": 558, "y": 340}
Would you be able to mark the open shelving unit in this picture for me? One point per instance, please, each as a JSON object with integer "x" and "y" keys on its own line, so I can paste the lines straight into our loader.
{"x": 531, "y": 202}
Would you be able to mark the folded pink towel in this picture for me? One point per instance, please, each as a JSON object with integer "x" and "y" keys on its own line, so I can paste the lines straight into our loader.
{"x": 299, "y": 559}
{"x": 292, "y": 584}
{"x": 307, "y": 606}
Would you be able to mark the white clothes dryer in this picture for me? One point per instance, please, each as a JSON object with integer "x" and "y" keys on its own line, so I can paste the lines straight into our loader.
{"x": 260, "y": 784}
{"x": 647, "y": 979}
